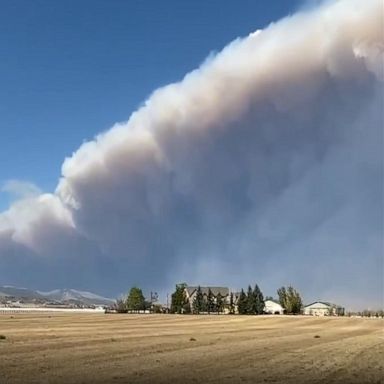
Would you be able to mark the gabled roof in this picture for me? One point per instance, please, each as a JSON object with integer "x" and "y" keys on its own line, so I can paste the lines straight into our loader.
{"x": 273, "y": 301}
{"x": 326, "y": 303}
{"x": 224, "y": 291}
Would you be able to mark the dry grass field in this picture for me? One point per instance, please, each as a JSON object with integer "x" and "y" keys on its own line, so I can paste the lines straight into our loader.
{"x": 85, "y": 348}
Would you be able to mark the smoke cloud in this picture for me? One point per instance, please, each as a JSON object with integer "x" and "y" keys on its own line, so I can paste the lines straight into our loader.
{"x": 263, "y": 165}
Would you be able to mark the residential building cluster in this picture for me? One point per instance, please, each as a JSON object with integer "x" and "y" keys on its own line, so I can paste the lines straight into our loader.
{"x": 271, "y": 306}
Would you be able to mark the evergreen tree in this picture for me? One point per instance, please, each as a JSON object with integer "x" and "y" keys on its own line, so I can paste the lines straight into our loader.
{"x": 198, "y": 301}
{"x": 205, "y": 304}
{"x": 178, "y": 299}
{"x": 135, "y": 300}
{"x": 242, "y": 303}
{"x": 251, "y": 302}
{"x": 231, "y": 304}
{"x": 219, "y": 303}
{"x": 259, "y": 300}
{"x": 210, "y": 301}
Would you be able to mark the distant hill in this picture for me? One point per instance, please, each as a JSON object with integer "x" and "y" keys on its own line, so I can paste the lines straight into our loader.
{"x": 19, "y": 293}
{"x": 65, "y": 295}
{"x": 61, "y": 296}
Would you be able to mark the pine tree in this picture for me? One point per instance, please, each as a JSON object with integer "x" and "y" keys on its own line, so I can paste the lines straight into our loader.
{"x": 178, "y": 299}
{"x": 231, "y": 304}
{"x": 135, "y": 300}
{"x": 251, "y": 302}
{"x": 259, "y": 300}
{"x": 219, "y": 303}
{"x": 198, "y": 301}
{"x": 210, "y": 302}
{"x": 242, "y": 303}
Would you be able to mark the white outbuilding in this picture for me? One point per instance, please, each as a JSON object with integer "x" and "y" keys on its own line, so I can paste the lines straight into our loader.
{"x": 323, "y": 308}
{"x": 273, "y": 307}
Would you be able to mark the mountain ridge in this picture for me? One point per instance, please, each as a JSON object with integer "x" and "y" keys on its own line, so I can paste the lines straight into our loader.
{"x": 63, "y": 295}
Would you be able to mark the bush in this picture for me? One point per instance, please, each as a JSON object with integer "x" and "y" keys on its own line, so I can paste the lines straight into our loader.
{"x": 2, "y": 337}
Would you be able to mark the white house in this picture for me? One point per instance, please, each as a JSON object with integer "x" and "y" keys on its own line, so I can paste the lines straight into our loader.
{"x": 323, "y": 308}
{"x": 273, "y": 307}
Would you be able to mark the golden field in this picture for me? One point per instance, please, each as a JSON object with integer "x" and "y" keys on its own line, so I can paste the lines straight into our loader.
{"x": 111, "y": 348}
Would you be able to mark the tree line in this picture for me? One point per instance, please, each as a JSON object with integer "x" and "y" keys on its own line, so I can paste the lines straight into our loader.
{"x": 208, "y": 304}
{"x": 252, "y": 302}
{"x": 248, "y": 302}
{"x": 367, "y": 313}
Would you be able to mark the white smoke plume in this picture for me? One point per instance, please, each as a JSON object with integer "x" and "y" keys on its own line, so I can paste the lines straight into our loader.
{"x": 264, "y": 165}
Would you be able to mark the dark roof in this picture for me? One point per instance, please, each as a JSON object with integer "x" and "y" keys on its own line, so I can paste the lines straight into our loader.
{"x": 224, "y": 291}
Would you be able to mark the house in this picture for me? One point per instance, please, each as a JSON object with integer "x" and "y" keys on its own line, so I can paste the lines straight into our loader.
{"x": 273, "y": 307}
{"x": 323, "y": 308}
{"x": 190, "y": 293}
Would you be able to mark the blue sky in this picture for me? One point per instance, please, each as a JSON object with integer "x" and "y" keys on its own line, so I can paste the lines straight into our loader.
{"x": 71, "y": 69}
